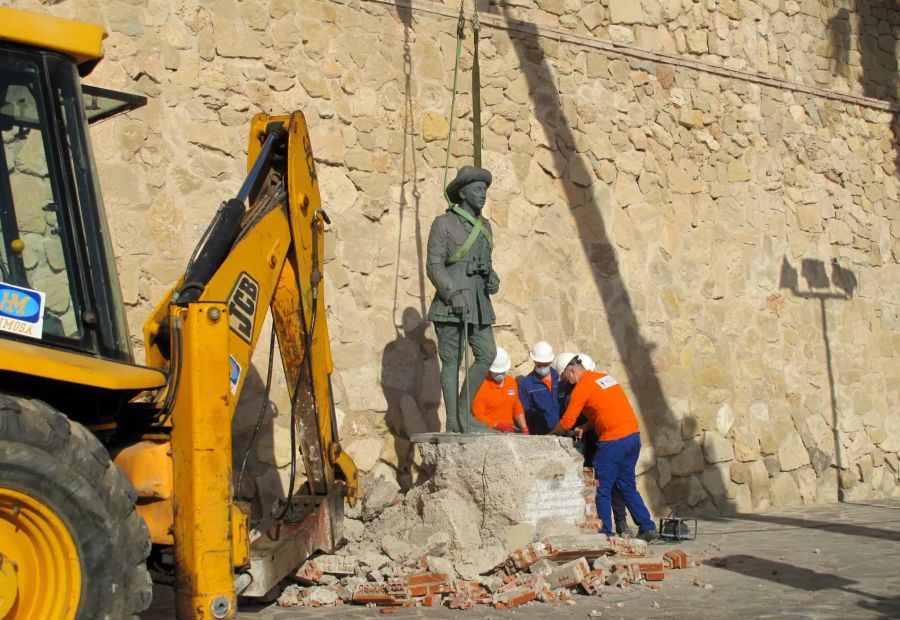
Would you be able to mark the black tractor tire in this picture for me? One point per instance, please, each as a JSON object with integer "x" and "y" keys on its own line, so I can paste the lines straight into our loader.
{"x": 62, "y": 464}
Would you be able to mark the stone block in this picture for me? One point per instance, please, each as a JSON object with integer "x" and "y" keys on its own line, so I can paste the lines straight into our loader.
{"x": 716, "y": 448}
{"x": 626, "y": 12}
{"x": 689, "y": 461}
{"x": 784, "y": 491}
{"x": 746, "y": 443}
{"x": 792, "y": 454}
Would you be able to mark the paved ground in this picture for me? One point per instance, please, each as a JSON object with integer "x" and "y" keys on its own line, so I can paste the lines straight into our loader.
{"x": 832, "y": 561}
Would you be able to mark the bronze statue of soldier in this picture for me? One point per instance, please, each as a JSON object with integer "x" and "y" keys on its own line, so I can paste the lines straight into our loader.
{"x": 459, "y": 266}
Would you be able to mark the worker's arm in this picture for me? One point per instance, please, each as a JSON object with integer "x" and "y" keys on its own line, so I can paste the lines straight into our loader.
{"x": 576, "y": 404}
{"x": 520, "y": 423}
{"x": 519, "y": 416}
{"x": 581, "y": 430}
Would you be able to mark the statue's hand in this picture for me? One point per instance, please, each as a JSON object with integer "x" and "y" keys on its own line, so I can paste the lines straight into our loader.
{"x": 493, "y": 283}
{"x": 458, "y": 303}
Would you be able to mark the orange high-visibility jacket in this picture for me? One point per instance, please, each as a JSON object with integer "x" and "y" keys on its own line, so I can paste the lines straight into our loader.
{"x": 604, "y": 404}
{"x": 497, "y": 402}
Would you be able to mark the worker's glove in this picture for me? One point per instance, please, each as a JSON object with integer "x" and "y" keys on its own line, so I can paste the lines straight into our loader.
{"x": 458, "y": 303}
{"x": 505, "y": 427}
{"x": 524, "y": 430}
{"x": 493, "y": 283}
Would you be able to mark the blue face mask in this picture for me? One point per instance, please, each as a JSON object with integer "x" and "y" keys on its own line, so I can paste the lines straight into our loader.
{"x": 542, "y": 372}
{"x": 498, "y": 376}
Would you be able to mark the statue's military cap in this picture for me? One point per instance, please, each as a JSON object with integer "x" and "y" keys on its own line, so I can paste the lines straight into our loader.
{"x": 466, "y": 175}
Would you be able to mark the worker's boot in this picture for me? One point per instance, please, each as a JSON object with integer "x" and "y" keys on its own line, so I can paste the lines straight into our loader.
{"x": 623, "y": 530}
{"x": 648, "y": 535}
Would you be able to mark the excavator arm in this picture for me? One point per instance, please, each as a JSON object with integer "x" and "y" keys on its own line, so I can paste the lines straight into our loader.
{"x": 204, "y": 331}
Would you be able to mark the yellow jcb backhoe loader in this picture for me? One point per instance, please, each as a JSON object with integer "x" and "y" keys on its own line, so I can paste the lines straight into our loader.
{"x": 99, "y": 457}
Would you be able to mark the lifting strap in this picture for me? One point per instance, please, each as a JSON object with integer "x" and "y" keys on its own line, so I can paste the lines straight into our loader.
{"x": 460, "y": 35}
{"x": 478, "y": 228}
{"x": 476, "y": 92}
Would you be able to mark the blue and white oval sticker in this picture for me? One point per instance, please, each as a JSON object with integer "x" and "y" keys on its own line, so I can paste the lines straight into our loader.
{"x": 21, "y": 310}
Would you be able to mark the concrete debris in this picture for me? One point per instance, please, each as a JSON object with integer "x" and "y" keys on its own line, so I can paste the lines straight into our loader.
{"x": 446, "y": 542}
{"x": 380, "y": 493}
{"x": 393, "y": 587}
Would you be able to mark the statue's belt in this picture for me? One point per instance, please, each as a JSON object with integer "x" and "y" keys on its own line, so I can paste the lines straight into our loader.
{"x": 478, "y": 228}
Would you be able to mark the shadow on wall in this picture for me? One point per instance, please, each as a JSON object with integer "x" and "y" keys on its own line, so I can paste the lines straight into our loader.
{"x": 261, "y": 481}
{"x": 878, "y": 29}
{"x": 599, "y": 250}
{"x": 408, "y": 161}
{"x": 821, "y": 287}
{"x": 410, "y": 379}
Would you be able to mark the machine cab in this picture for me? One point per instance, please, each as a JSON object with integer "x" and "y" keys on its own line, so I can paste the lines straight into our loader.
{"x": 58, "y": 281}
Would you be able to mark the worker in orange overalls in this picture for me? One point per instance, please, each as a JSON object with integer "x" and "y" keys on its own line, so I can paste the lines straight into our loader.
{"x": 497, "y": 401}
{"x": 605, "y": 406}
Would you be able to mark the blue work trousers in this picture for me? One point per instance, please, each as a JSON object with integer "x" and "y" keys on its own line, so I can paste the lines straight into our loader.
{"x": 614, "y": 464}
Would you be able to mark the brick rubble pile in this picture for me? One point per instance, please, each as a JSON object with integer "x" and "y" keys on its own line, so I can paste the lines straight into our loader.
{"x": 548, "y": 571}
{"x": 436, "y": 573}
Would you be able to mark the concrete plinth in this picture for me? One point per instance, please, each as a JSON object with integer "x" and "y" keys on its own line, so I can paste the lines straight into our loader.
{"x": 507, "y": 481}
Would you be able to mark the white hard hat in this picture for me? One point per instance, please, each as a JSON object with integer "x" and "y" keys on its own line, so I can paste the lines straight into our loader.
{"x": 562, "y": 360}
{"x": 542, "y": 352}
{"x": 587, "y": 361}
{"x": 501, "y": 362}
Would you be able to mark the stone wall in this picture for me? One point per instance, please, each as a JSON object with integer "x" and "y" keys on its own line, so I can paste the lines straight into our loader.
{"x": 703, "y": 196}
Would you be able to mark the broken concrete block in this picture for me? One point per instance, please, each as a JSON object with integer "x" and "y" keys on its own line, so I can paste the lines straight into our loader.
{"x": 380, "y": 493}
{"x": 629, "y": 547}
{"x": 569, "y": 574}
{"x": 492, "y": 583}
{"x": 471, "y": 565}
{"x": 320, "y": 597}
{"x": 336, "y": 564}
{"x": 546, "y": 482}
{"x": 396, "y": 549}
{"x": 581, "y": 545}
{"x": 437, "y": 565}
{"x": 290, "y": 596}
{"x": 543, "y": 567}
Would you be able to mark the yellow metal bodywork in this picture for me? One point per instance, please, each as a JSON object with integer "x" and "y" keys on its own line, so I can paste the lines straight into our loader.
{"x": 275, "y": 254}
{"x": 48, "y": 569}
{"x": 41, "y": 361}
{"x": 81, "y": 41}
{"x": 201, "y": 444}
{"x": 148, "y": 464}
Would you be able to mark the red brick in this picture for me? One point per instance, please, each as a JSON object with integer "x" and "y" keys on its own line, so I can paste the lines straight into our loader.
{"x": 675, "y": 558}
{"x": 645, "y": 567}
{"x": 547, "y": 595}
{"x": 309, "y": 573}
{"x": 427, "y": 579}
{"x": 375, "y": 598}
{"x": 592, "y": 584}
{"x": 654, "y": 575}
{"x": 514, "y": 598}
